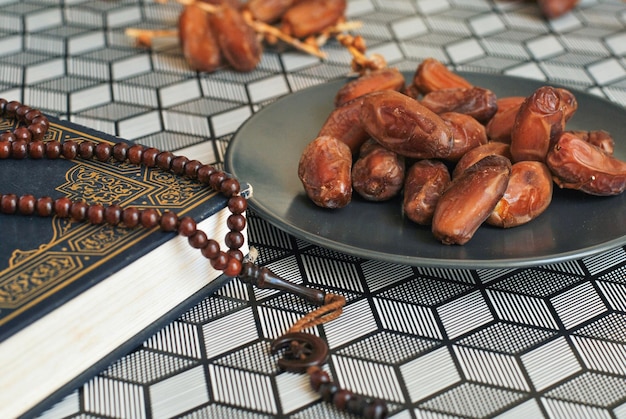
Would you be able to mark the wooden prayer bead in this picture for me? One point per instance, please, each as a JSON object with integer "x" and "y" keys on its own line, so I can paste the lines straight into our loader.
{"x": 169, "y": 221}
{"x": 7, "y": 136}
{"x": 8, "y": 204}
{"x": 130, "y": 217}
{"x": 187, "y": 226}
{"x": 164, "y": 160}
{"x": 70, "y": 150}
{"x": 26, "y": 204}
{"x": 220, "y": 262}
{"x": 230, "y": 187}
{"x": 317, "y": 377}
{"x": 78, "y": 211}
{"x": 19, "y": 149}
{"x": 103, "y": 151}
{"x": 62, "y": 207}
{"x": 53, "y": 149}
{"x": 148, "y": 158}
{"x": 120, "y": 151}
{"x": 191, "y": 169}
{"x": 44, "y": 206}
{"x": 198, "y": 240}
{"x": 237, "y": 204}
{"x": 113, "y": 214}
{"x": 149, "y": 218}
{"x": 95, "y": 214}
{"x": 235, "y": 254}
{"x": 216, "y": 179}
{"x": 236, "y": 222}
{"x": 86, "y": 149}
{"x": 234, "y": 239}
{"x": 5, "y": 149}
{"x": 135, "y": 154}
{"x": 233, "y": 267}
{"x": 22, "y": 133}
{"x": 36, "y": 149}
{"x": 211, "y": 250}
{"x": 178, "y": 164}
{"x": 37, "y": 130}
{"x": 204, "y": 173}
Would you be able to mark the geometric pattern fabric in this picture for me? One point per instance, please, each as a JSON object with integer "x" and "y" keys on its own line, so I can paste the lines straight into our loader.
{"x": 545, "y": 341}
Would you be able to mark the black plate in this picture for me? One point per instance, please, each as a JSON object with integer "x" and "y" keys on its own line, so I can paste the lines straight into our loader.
{"x": 266, "y": 150}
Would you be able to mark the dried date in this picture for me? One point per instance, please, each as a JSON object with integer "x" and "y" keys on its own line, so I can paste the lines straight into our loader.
{"x": 577, "y": 164}
{"x": 540, "y": 118}
{"x": 425, "y": 182}
{"x": 199, "y": 45}
{"x": 432, "y": 75}
{"x": 528, "y": 195}
{"x": 325, "y": 172}
{"x": 237, "y": 40}
{"x": 310, "y": 17}
{"x": 477, "y": 102}
{"x": 373, "y": 81}
{"x": 470, "y": 199}
{"x": 467, "y": 133}
{"x": 378, "y": 173}
{"x": 403, "y": 125}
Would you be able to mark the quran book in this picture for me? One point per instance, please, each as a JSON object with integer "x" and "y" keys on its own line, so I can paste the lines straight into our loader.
{"x": 75, "y": 296}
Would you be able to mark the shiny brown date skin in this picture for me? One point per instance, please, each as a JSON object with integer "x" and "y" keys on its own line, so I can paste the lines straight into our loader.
{"x": 237, "y": 40}
{"x": 199, "y": 45}
{"x": 268, "y": 11}
{"x": 403, "y": 125}
{"x": 540, "y": 118}
{"x": 467, "y": 132}
{"x": 577, "y": 164}
{"x": 344, "y": 123}
{"x": 477, "y": 102}
{"x": 476, "y": 154}
{"x": 425, "y": 182}
{"x": 310, "y": 17}
{"x": 501, "y": 124}
{"x": 378, "y": 173}
{"x": 325, "y": 172}
{"x": 470, "y": 199}
{"x": 527, "y": 195}
{"x": 432, "y": 75}
{"x": 599, "y": 138}
{"x": 555, "y": 8}
{"x": 383, "y": 79}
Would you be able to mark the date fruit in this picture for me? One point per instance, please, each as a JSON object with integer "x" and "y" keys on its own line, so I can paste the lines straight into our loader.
{"x": 432, "y": 75}
{"x": 470, "y": 199}
{"x": 577, "y": 164}
{"x": 268, "y": 11}
{"x": 403, "y": 125}
{"x": 527, "y": 195}
{"x": 501, "y": 124}
{"x": 310, "y": 17}
{"x": 378, "y": 173}
{"x": 540, "y": 118}
{"x": 344, "y": 123}
{"x": 476, "y": 154}
{"x": 425, "y": 182}
{"x": 373, "y": 81}
{"x": 325, "y": 172}
{"x": 199, "y": 45}
{"x": 477, "y": 102}
{"x": 237, "y": 40}
{"x": 467, "y": 132}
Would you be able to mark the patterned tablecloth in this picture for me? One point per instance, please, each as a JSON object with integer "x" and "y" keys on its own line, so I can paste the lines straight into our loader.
{"x": 542, "y": 341}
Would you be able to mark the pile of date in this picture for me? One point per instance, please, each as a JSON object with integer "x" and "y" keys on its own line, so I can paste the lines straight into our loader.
{"x": 457, "y": 155}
